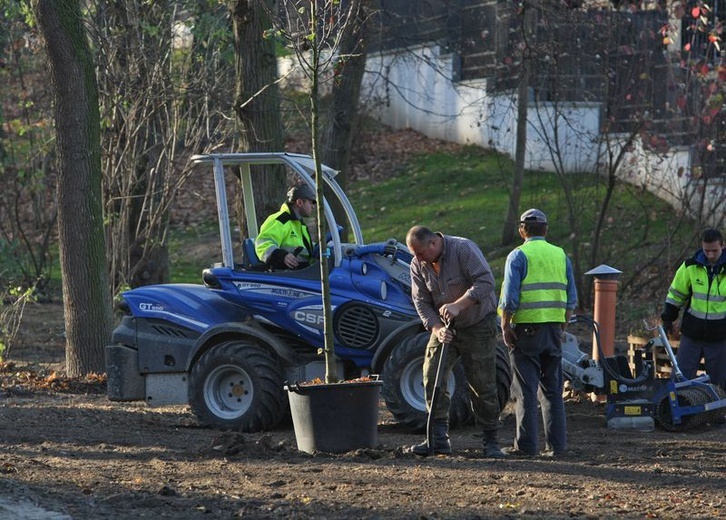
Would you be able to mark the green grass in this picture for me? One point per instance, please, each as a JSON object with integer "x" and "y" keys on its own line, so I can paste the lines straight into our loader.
{"x": 193, "y": 249}
{"x": 467, "y": 194}
{"x": 437, "y": 190}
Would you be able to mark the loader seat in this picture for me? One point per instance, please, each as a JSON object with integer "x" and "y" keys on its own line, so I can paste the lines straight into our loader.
{"x": 250, "y": 261}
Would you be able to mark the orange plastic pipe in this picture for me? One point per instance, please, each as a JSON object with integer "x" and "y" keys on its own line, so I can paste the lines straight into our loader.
{"x": 605, "y": 297}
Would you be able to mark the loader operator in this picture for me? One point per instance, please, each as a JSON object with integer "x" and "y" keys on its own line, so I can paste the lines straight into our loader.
{"x": 699, "y": 288}
{"x": 537, "y": 299}
{"x": 451, "y": 280}
{"x": 284, "y": 240}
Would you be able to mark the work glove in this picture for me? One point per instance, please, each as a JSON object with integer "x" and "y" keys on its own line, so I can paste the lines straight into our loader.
{"x": 670, "y": 313}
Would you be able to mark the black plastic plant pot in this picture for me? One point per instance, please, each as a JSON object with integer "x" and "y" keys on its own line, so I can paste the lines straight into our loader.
{"x": 335, "y": 418}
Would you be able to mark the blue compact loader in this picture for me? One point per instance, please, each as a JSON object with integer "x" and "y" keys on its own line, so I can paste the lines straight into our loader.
{"x": 227, "y": 346}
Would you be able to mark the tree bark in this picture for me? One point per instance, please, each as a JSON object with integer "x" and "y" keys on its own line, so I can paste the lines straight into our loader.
{"x": 509, "y": 230}
{"x": 86, "y": 297}
{"x": 257, "y": 97}
{"x": 343, "y": 116}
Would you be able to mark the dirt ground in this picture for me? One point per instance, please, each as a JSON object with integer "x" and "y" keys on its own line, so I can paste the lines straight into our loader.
{"x": 68, "y": 452}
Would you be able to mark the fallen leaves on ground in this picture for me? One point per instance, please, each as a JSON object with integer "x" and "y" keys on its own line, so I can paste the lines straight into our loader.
{"x": 27, "y": 380}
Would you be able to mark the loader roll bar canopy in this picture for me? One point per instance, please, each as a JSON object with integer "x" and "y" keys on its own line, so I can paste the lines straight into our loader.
{"x": 302, "y": 165}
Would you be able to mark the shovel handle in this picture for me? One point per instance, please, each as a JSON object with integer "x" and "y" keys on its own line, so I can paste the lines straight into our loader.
{"x": 438, "y": 388}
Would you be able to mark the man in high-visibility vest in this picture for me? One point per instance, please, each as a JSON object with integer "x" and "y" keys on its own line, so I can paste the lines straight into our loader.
{"x": 699, "y": 288}
{"x": 537, "y": 299}
{"x": 284, "y": 240}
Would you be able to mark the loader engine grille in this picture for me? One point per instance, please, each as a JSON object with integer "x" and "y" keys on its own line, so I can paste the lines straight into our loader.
{"x": 356, "y": 326}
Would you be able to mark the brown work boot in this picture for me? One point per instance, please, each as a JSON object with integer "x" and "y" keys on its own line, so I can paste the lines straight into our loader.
{"x": 511, "y": 451}
{"x": 442, "y": 445}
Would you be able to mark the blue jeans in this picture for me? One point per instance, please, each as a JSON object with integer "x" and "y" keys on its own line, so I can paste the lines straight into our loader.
{"x": 713, "y": 353}
{"x": 537, "y": 365}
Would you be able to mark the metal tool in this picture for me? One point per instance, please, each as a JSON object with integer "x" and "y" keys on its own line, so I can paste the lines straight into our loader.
{"x": 438, "y": 388}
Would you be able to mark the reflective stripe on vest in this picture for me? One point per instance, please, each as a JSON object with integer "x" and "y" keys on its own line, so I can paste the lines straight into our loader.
{"x": 543, "y": 293}
{"x": 706, "y": 299}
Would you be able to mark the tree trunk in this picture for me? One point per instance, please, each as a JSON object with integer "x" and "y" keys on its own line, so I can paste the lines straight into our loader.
{"x": 343, "y": 115}
{"x": 86, "y": 300}
{"x": 257, "y": 98}
{"x": 509, "y": 231}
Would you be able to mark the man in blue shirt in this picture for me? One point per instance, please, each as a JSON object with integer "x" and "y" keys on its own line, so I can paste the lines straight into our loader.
{"x": 537, "y": 299}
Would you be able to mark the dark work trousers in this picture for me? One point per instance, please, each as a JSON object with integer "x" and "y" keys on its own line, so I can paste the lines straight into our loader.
{"x": 690, "y": 352}
{"x": 537, "y": 365}
{"x": 476, "y": 347}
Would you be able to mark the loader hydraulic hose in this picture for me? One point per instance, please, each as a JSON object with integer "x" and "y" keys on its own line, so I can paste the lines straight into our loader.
{"x": 379, "y": 248}
{"x": 606, "y": 366}
{"x": 369, "y": 249}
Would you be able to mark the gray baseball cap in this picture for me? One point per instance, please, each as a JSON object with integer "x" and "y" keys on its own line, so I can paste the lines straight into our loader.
{"x": 533, "y": 215}
{"x": 300, "y": 191}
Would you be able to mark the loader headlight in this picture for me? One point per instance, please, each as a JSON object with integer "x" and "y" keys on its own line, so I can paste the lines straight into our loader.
{"x": 359, "y": 266}
{"x": 374, "y": 288}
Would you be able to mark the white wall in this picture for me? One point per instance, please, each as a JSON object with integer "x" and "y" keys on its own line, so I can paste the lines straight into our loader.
{"x": 415, "y": 90}
{"x": 671, "y": 177}
{"x": 565, "y": 133}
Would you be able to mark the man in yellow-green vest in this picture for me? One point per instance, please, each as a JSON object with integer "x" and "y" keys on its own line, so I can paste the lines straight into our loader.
{"x": 284, "y": 240}
{"x": 699, "y": 288}
{"x": 537, "y": 299}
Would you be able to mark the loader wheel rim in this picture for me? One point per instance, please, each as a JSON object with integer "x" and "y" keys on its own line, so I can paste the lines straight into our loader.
{"x": 412, "y": 385}
{"x": 228, "y": 391}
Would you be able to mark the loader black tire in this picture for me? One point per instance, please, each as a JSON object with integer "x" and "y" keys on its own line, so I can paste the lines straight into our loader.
{"x": 690, "y": 396}
{"x": 403, "y": 388}
{"x": 716, "y": 417}
{"x": 403, "y": 384}
{"x": 238, "y": 385}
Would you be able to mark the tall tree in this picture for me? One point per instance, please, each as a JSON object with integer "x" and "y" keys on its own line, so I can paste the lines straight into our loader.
{"x": 315, "y": 31}
{"x": 86, "y": 299}
{"x": 136, "y": 90}
{"x": 257, "y": 98}
{"x": 509, "y": 231}
{"x": 165, "y": 73}
{"x": 337, "y": 138}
